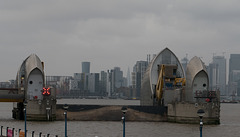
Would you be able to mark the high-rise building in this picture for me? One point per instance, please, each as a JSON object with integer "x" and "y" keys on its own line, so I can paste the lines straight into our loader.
{"x": 234, "y": 64}
{"x": 103, "y": 83}
{"x": 139, "y": 70}
{"x": 110, "y": 85}
{"x": 85, "y": 67}
{"x": 184, "y": 63}
{"x": 93, "y": 83}
{"x": 217, "y": 74}
{"x": 77, "y": 82}
{"x": 118, "y": 77}
{"x": 128, "y": 78}
{"x": 114, "y": 80}
{"x": 234, "y": 75}
{"x": 61, "y": 83}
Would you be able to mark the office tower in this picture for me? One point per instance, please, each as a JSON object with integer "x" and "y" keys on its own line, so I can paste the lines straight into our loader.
{"x": 93, "y": 83}
{"x": 103, "y": 83}
{"x": 85, "y": 67}
{"x": 137, "y": 75}
{"x": 234, "y": 75}
{"x": 217, "y": 74}
{"x": 184, "y": 63}
{"x": 118, "y": 77}
{"x": 128, "y": 78}
{"x": 114, "y": 80}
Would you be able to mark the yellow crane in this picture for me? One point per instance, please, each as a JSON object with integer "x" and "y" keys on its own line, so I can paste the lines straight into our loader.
{"x": 159, "y": 88}
{"x": 177, "y": 83}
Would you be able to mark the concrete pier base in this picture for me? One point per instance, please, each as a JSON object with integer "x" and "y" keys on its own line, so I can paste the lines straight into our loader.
{"x": 112, "y": 113}
{"x": 187, "y": 113}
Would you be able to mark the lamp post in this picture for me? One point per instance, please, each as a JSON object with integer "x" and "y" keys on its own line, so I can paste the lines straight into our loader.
{"x": 25, "y": 117}
{"x": 65, "y": 107}
{"x": 201, "y": 113}
{"x": 124, "y": 111}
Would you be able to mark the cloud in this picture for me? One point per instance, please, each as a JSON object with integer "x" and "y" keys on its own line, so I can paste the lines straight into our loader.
{"x": 113, "y": 33}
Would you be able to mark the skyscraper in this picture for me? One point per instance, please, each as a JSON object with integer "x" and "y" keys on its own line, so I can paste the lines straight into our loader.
{"x": 137, "y": 75}
{"x": 114, "y": 80}
{"x": 234, "y": 74}
{"x": 93, "y": 83}
{"x": 234, "y": 64}
{"x": 103, "y": 83}
{"x": 128, "y": 78}
{"x": 184, "y": 63}
{"x": 217, "y": 74}
{"x": 85, "y": 67}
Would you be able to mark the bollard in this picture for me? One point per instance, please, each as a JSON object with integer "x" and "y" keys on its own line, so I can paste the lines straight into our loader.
{"x": 1, "y": 130}
{"x": 32, "y": 133}
{"x": 40, "y": 134}
{"x": 56, "y": 136}
{"x": 13, "y": 132}
{"x": 48, "y": 135}
{"x": 7, "y": 131}
{"x": 19, "y": 130}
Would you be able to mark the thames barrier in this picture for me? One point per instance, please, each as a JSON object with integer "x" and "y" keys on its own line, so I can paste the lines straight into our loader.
{"x": 168, "y": 94}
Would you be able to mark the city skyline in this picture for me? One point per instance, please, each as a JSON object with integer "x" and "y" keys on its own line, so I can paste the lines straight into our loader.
{"x": 113, "y": 33}
{"x": 131, "y": 68}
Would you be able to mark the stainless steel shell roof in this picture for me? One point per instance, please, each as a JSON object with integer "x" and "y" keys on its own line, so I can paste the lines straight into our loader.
{"x": 33, "y": 62}
{"x": 194, "y": 66}
{"x": 166, "y": 56}
{"x": 150, "y": 79}
{"x": 29, "y": 64}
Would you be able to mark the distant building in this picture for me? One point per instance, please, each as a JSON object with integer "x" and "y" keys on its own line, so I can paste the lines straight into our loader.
{"x": 114, "y": 81}
{"x": 118, "y": 77}
{"x": 85, "y": 67}
{"x": 61, "y": 83}
{"x": 109, "y": 88}
{"x": 92, "y": 83}
{"x": 8, "y": 84}
{"x": 128, "y": 78}
{"x": 217, "y": 74}
{"x": 234, "y": 75}
{"x": 76, "y": 83}
{"x": 184, "y": 63}
{"x": 103, "y": 83}
{"x": 85, "y": 84}
{"x": 139, "y": 70}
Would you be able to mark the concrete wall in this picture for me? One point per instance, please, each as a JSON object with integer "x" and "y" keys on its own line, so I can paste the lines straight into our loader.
{"x": 187, "y": 113}
{"x": 37, "y": 111}
{"x": 147, "y": 97}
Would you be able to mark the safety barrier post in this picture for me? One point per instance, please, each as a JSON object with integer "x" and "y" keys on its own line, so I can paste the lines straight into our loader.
{"x": 13, "y": 129}
{"x": 19, "y": 130}
{"x": 7, "y": 131}
{"x": 1, "y": 130}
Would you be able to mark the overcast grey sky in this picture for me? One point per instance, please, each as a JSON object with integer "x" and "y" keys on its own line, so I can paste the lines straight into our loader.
{"x": 111, "y": 33}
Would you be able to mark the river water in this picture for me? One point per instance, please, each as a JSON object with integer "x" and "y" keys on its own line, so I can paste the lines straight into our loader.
{"x": 229, "y": 127}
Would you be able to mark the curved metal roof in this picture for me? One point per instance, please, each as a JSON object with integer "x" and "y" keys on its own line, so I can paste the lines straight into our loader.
{"x": 29, "y": 64}
{"x": 33, "y": 62}
{"x": 166, "y": 56}
{"x": 194, "y": 66}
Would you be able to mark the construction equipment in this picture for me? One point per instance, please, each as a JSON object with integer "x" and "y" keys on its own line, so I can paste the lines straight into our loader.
{"x": 159, "y": 88}
{"x": 167, "y": 79}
